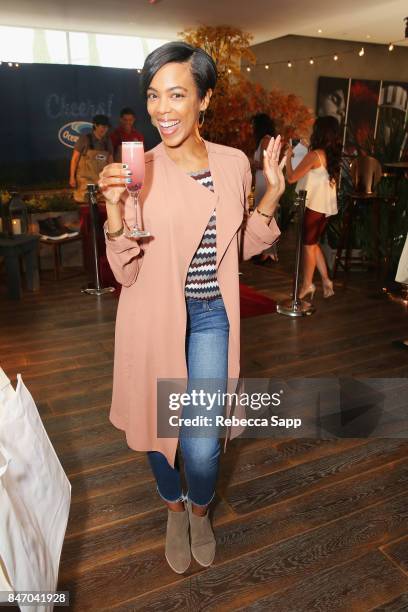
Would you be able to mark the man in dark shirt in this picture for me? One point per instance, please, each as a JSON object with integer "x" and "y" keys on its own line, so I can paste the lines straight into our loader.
{"x": 125, "y": 132}
{"x": 92, "y": 152}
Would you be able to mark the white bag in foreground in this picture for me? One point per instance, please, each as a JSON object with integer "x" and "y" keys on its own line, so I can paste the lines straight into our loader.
{"x": 35, "y": 497}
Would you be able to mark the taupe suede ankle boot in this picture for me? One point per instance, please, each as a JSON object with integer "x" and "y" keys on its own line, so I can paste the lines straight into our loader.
{"x": 177, "y": 552}
{"x": 202, "y": 538}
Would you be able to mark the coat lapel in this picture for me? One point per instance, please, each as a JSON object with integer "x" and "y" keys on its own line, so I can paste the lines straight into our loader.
{"x": 190, "y": 209}
{"x": 230, "y": 198}
{"x": 196, "y": 203}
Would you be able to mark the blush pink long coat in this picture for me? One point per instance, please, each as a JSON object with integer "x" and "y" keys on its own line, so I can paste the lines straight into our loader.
{"x": 151, "y": 317}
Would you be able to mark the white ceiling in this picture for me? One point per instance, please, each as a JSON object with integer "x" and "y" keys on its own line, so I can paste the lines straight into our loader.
{"x": 376, "y": 21}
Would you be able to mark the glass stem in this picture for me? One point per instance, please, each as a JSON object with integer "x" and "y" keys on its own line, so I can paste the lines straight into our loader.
{"x": 135, "y": 196}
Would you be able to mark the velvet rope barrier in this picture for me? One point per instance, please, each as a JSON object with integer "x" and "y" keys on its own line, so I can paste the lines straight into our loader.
{"x": 97, "y": 288}
{"x": 296, "y": 307}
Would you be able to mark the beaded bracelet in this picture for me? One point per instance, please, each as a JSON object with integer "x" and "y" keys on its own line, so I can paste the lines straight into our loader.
{"x": 116, "y": 234}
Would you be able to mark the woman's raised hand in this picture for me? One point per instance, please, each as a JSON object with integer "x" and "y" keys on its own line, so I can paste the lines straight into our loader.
{"x": 289, "y": 151}
{"x": 272, "y": 169}
{"x": 112, "y": 181}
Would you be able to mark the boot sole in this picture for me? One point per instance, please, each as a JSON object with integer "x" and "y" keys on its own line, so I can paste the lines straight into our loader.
{"x": 202, "y": 564}
{"x": 177, "y": 571}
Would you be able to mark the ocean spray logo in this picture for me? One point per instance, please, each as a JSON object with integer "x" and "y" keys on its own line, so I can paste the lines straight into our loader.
{"x": 70, "y": 132}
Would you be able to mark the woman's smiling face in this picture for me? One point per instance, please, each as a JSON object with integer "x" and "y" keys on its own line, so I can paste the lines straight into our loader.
{"x": 173, "y": 103}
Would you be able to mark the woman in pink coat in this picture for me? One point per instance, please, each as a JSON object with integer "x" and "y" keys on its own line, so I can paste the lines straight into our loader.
{"x": 178, "y": 314}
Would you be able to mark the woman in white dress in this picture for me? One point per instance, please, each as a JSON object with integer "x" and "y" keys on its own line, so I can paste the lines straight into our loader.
{"x": 317, "y": 173}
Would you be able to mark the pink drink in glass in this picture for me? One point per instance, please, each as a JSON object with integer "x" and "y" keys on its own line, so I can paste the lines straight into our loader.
{"x": 133, "y": 156}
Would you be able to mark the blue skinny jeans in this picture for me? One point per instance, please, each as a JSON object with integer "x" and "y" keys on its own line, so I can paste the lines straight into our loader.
{"x": 207, "y": 358}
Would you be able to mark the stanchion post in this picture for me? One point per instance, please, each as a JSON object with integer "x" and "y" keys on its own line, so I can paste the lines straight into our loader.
{"x": 296, "y": 307}
{"x": 93, "y": 207}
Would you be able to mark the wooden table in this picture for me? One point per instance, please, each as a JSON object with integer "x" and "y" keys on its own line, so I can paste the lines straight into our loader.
{"x": 398, "y": 171}
{"x": 12, "y": 249}
{"x": 402, "y": 165}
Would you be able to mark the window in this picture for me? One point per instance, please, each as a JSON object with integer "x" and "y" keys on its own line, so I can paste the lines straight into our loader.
{"x": 56, "y": 42}
{"x": 16, "y": 44}
{"x": 27, "y": 45}
{"x": 79, "y": 48}
{"x": 120, "y": 51}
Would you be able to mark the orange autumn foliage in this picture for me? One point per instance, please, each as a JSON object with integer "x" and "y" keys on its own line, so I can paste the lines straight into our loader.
{"x": 227, "y": 46}
{"x": 236, "y": 99}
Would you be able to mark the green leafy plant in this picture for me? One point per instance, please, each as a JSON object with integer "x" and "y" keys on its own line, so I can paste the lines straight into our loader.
{"x": 389, "y": 146}
{"x": 4, "y": 196}
{"x": 50, "y": 203}
{"x": 43, "y": 203}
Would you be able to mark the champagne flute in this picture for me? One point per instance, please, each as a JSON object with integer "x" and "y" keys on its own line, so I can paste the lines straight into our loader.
{"x": 133, "y": 156}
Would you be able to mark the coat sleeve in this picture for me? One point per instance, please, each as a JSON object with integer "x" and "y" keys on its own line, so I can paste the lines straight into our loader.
{"x": 124, "y": 254}
{"x": 256, "y": 234}
{"x": 125, "y": 258}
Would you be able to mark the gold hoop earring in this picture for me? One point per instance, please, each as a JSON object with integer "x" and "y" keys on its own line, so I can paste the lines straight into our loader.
{"x": 201, "y": 118}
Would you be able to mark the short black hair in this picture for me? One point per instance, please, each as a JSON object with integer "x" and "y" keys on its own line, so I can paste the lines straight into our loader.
{"x": 203, "y": 66}
{"x": 263, "y": 125}
{"x": 101, "y": 120}
{"x": 127, "y": 111}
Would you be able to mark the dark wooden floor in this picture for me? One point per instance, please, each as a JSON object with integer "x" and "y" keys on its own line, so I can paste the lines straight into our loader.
{"x": 301, "y": 525}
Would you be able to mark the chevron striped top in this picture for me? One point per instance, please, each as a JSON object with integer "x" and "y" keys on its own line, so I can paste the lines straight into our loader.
{"x": 201, "y": 282}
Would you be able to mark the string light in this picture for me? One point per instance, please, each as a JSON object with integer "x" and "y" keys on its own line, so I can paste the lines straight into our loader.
{"x": 229, "y": 70}
{"x": 313, "y": 60}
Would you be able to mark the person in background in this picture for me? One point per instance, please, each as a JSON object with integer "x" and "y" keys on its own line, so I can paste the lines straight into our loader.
{"x": 300, "y": 150}
{"x": 264, "y": 129}
{"x": 125, "y": 132}
{"x": 92, "y": 152}
{"x": 317, "y": 173}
